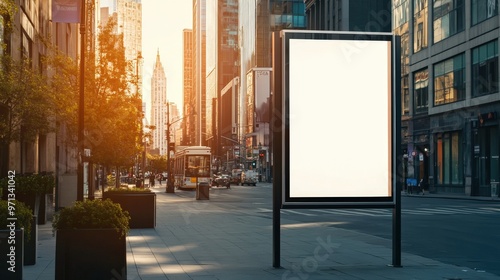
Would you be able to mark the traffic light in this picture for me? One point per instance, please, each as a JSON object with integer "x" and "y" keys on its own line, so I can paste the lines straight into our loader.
{"x": 262, "y": 153}
{"x": 254, "y": 164}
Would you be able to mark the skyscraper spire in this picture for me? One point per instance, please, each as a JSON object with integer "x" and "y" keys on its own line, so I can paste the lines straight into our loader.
{"x": 158, "y": 63}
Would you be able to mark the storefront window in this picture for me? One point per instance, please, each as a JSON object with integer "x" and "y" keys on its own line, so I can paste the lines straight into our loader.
{"x": 483, "y": 10}
{"x": 448, "y": 159}
{"x": 485, "y": 69}
{"x": 449, "y": 80}
{"x": 449, "y": 18}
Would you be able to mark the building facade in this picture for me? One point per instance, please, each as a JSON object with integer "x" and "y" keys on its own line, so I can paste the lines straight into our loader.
{"x": 199, "y": 39}
{"x": 258, "y": 19}
{"x": 349, "y": 15}
{"x": 158, "y": 117}
{"x": 221, "y": 64}
{"x": 31, "y": 22}
{"x": 453, "y": 95}
{"x": 189, "y": 95}
{"x": 128, "y": 15}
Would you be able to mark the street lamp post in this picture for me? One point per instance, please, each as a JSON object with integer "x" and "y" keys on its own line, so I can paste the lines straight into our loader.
{"x": 81, "y": 135}
{"x": 170, "y": 184}
{"x": 141, "y": 118}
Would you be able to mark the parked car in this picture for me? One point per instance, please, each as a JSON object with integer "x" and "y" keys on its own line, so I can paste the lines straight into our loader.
{"x": 249, "y": 177}
{"x": 221, "y": 181}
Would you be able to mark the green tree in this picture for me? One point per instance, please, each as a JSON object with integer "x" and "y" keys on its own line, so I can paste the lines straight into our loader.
{"x": 112, "y": 112}
{"x": 26, "y": 110}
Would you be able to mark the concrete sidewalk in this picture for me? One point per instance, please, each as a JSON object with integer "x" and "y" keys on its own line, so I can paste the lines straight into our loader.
{"x": 199, "y": 239}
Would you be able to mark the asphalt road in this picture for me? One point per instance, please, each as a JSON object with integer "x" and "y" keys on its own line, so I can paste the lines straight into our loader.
{"x": 455, "y": 231}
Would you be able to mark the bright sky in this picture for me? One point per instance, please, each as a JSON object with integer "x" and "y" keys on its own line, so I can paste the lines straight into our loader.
{"x": 162, "y": 25}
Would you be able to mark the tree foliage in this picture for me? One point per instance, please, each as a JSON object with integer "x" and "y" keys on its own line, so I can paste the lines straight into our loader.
{"x": 25, "y": 106}
{"x": 30, "y": 100}
{"x": 112, "y": 113}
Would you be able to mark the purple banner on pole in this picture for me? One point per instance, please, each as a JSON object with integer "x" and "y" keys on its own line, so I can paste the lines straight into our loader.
{"x": 66, "y": 11}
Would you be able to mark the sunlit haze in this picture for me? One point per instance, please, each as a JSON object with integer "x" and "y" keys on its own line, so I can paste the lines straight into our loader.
{"x": 162, "y": 25}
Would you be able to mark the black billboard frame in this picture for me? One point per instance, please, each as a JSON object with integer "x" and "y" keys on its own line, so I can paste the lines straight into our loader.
{"x": 338, "y": 202}
{"x": 280, "y": 138}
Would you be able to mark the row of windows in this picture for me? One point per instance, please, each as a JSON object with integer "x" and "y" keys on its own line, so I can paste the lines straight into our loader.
{"x": 449, "y": 78}
{"x": 448, "y": 18}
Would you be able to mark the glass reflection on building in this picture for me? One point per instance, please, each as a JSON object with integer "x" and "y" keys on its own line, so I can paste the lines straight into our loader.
{"x": 420, "y": 16}
{"x": 449, "y": 18}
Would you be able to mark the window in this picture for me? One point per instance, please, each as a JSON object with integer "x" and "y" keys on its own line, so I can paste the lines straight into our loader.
{"x": 400, "y": 13}
{"x": 405, "y": 95}
{"x": 448, "y": 158}
{"x": 449, "y": 80}
{"x": 420, "y": 25}
{"x": 485, "y": 69}
{"x": 449, "y": 18}
{"x": 421, "y": 91}
{"x": 483, "y": 10}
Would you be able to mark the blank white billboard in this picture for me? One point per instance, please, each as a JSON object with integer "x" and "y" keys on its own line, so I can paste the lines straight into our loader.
{"x": 339, "y": 120}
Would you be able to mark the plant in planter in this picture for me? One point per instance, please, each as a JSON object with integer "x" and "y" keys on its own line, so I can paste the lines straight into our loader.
{"x": 32, "y": 190}
{"x": 139, "y": 202}
{"x": 14, "y": 216}
{"x": 78, "y": 255}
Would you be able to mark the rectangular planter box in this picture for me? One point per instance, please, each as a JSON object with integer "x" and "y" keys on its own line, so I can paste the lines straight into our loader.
{"x": 90, "y": 254}
{"x": 30, "y": 246}
{"x": 140, "y": 206}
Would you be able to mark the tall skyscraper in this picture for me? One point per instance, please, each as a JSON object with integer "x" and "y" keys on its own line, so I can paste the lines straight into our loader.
{"x": 199, "y": 35}
{"x": 189, "y": 96}
{"x": 221, "y": 62}
{"x": 158, "y": 106}
{"x": 128, "y": 14}
{"x": 257, "y": 20}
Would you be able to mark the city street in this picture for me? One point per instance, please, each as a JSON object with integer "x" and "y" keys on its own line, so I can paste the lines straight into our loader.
{"x": 460, "y": 232}
{"x": 229, "y": 237}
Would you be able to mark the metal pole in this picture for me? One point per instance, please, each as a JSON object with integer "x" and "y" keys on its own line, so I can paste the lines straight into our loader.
{"x": 277, "y": 121}
{"x": 81, "y": 146}
{"x": 396, "y": 216}
{"x": 170, "y": 186}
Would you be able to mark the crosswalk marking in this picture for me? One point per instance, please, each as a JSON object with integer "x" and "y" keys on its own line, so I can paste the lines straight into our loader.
{"x": 439, "y": 210}
{"x": 352, "y": 212}
{"x": 425, "y": 211}
{"x": 470, "y": 210}
{"x": 416, "y": 212}
{"x": 491, "y": 209}
{"x": 300, "y": 213}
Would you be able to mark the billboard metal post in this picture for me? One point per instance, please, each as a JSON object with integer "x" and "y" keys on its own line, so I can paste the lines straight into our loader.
{"x": 396, "y": 217}
{"x": 276, "y": 130}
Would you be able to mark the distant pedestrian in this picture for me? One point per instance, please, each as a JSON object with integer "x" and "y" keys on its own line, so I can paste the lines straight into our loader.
{"x": 160, "y": 178}
{"x": 152, "y": 180}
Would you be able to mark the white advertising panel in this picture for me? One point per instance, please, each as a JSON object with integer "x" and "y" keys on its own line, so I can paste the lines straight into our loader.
{"x": 339, "y": 137}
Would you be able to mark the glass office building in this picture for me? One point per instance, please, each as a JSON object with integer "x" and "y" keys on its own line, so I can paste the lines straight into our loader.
{"x": 452, "y": 141}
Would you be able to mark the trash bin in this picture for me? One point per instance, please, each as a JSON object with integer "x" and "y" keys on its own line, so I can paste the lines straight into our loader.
{"x": 203, "y": 191}
{"x": 494, "y": 187}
